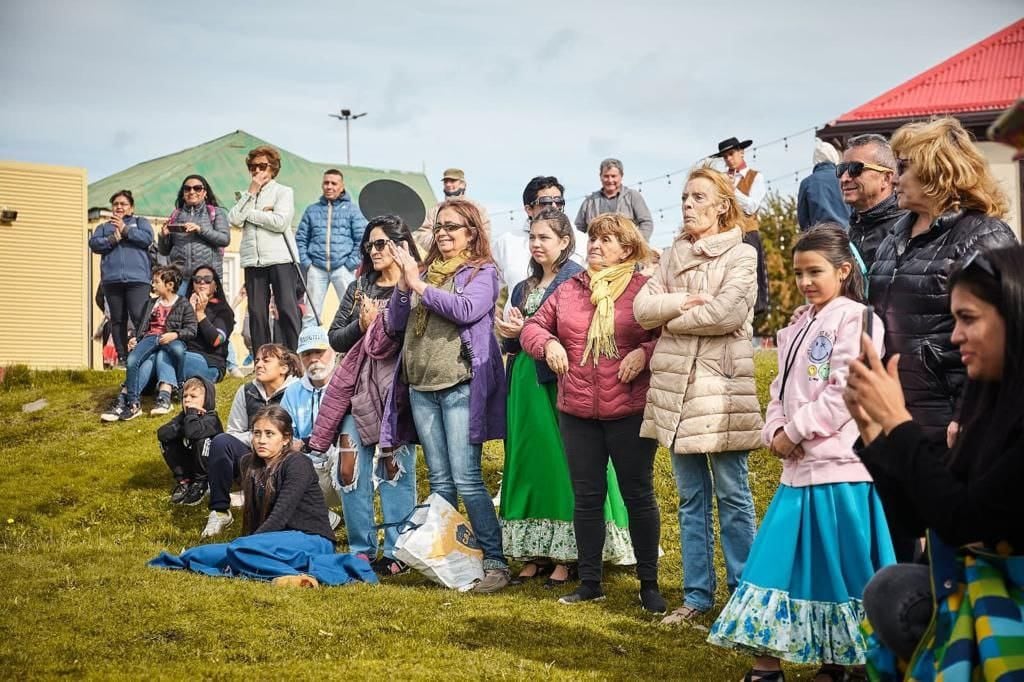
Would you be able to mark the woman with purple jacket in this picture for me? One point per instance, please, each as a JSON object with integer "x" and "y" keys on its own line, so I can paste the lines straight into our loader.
{"x": 450, "y": 382}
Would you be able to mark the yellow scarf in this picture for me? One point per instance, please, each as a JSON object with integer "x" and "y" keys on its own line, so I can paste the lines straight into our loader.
{"x": 605, "y": 288}
{"x": 438, "y": 272}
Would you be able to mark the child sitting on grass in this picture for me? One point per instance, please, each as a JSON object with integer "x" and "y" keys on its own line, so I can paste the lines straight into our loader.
{"x": 288, "y": 539}
{"x": 185, "y": 440}
{"x": 167, "y": 319}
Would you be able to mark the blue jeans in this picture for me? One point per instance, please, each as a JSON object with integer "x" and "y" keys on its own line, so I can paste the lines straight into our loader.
{"x": 175, "y": 361}
{"x": 453, "y": 463}
{"x": 693, "y": 474}
{"x": 397, "y": 495}
{"x": 145, "y": 360}
{"x": 316, "y": 289}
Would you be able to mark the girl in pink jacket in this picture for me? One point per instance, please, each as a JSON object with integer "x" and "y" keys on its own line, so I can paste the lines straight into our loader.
{"x": 824, "y": 534}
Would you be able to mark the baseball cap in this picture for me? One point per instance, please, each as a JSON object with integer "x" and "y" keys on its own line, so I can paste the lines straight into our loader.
{"x": 312, "y": 337}
{"x": 454, "y": 174}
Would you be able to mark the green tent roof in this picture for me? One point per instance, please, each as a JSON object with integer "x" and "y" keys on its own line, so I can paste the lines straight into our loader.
{"x": 155, "y": 183}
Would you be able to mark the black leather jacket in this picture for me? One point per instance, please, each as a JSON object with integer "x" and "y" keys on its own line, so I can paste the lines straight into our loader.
{"x": 908, "y": 290}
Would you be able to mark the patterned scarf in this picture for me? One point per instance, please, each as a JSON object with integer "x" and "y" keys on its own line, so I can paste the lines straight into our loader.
{"x": 605, "y": 288}
{"x": 439, "y": 272}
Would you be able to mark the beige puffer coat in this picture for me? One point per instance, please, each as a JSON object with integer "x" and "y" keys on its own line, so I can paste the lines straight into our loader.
{"x": 703, "y": 398}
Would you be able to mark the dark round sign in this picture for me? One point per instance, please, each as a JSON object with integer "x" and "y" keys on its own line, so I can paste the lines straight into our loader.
{"x": 390, "y": 197}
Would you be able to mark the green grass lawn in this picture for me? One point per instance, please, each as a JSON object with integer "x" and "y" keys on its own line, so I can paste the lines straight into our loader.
{"x": 83, "y": 506}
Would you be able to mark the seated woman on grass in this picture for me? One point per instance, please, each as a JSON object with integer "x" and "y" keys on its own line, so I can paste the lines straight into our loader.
{"x": 287, "y": 537}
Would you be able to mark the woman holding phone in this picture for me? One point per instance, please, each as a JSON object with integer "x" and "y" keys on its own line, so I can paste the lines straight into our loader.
{"x": 197, "y": 230}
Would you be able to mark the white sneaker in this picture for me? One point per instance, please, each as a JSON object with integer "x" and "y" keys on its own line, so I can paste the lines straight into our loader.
{"x": 216, "y": 524}
{"x": 333, "y": 519}
{"x": 238, "y": 499}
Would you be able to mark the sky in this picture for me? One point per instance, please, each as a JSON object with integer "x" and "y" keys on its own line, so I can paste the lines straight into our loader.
{"x": 505, "y": 91}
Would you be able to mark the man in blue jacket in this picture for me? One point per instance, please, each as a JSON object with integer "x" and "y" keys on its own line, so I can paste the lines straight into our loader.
{"x": 819, "y": 199}
{"x": 328, "y": 241}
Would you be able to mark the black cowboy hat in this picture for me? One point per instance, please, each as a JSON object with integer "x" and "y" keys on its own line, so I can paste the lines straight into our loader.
{"x": 731, "y": 143}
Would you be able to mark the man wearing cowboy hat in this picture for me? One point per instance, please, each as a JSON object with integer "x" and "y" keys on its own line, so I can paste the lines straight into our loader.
{"x": 750, "y": 192}
{"x": 453, "y": 183}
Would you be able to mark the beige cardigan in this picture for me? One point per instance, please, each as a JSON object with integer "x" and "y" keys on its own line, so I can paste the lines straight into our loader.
{"x": 703, "y": 398}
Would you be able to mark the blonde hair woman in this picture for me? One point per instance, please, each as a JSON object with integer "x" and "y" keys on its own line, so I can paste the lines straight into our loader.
{"x": 702, "y": 404}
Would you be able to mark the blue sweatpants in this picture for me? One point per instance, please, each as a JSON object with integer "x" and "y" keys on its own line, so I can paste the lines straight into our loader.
{"x": 266, "y": 556}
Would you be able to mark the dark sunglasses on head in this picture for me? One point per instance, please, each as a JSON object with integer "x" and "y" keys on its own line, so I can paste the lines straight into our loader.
{"x": 855, "y": 168}
{"x": 545, "y": 202}
{"x": 979, "y": 259}
{"x": 202, "y": 279}
{"x": 258, "y": 166}
{"x": 902, "y": 165}
{"x": 449, "y": 227}
{"x": 193, "y": 188}
{"x": 376, "y": 245}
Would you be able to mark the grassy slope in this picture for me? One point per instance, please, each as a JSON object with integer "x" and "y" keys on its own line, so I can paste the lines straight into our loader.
{"x": 83, "y": 506}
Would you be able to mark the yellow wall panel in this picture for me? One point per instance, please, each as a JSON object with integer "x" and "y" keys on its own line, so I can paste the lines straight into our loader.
{"x": 43, "y": 267}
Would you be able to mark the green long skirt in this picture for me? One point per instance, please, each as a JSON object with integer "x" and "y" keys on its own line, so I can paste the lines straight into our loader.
{"x": 536, "y": 491}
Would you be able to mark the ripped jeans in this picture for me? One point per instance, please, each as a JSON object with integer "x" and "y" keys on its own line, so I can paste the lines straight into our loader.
{"x": 397, "y": 492}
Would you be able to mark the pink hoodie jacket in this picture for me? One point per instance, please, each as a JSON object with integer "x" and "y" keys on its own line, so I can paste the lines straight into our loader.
{"x": 812, "y": 411}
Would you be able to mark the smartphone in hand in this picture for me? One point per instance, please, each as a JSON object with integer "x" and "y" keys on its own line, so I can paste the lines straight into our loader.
{"x": 176, "y": 227}
{"x": 867, "y": 324}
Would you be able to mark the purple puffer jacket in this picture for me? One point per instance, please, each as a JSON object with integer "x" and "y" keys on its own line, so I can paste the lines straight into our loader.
{"x": 471, "y": 308}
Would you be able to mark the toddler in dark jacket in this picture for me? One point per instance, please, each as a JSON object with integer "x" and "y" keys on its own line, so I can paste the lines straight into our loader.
{"x": 185, "y": 440}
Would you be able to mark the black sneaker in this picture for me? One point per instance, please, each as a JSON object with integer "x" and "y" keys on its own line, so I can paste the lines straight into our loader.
{"x": 195, "y": 493}
{"x": 113, "y": 413}
{"x": 130, "y": 412}
{"x": 162, "y": 405}
{"x": 583, "y": 593}
{"x": 651, "y": 600}
{"x": 179, "y": 492}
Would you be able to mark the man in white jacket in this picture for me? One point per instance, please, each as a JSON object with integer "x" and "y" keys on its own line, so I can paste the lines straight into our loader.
{"x": 264, "y": 212}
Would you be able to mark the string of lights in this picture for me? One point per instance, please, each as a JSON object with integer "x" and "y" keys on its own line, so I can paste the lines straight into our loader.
{"x": 667, "y": 177}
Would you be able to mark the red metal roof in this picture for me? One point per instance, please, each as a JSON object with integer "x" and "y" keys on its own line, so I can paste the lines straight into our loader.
{"x": 988, "y": 75}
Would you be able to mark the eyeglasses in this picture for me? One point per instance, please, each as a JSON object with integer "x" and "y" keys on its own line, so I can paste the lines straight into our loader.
{"x": 902, "y": 165}
{"x": 258, "y": 166}
{"x": 981, "y": 260}
{"x": 449, "y": 227}
{"x": 202, "y": 279}
{"x": 855, "y": 168}
{"x": 376, "y": 245}
{"x": 546, "y": 202}
{"x": 193, "y": 188}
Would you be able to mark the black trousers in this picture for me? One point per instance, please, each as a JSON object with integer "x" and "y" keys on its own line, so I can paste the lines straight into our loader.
{"x": 283, "y": 278}
{"x": 125, "y": 301}
{"x": 186, "y": 462}
{"x": 224, "y": 468}
{"x": 589, "y": 443}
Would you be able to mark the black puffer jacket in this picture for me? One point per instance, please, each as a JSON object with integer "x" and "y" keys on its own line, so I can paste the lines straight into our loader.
{"x": 908, "y": 290}
{"x": 869, "y": 228}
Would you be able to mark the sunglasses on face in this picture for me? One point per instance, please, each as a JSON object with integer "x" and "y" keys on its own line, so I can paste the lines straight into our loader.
{"x": 193, "y": 188}
{"x": 258, "y": 166}
{"x": 449, "y": 227}
{"x": 202, "y": 279}
{"x": 855, "y": 168}
{"x": 546, "y": 202}
{"x": 902, "y": 165}
{"x": 376, "y": 245}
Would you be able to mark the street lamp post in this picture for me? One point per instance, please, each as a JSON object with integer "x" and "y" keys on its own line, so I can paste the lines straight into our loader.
{"x": 346, "y": 115}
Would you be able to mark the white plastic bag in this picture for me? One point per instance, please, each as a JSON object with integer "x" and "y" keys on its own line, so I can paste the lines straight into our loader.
{"x": 439, "y": 543}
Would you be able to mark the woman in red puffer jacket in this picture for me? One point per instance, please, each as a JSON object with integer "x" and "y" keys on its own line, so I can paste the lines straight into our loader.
{"x": 588, "y": 336}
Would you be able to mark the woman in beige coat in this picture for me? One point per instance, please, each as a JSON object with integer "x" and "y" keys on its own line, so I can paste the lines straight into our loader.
{"x": 702, "y": 402}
